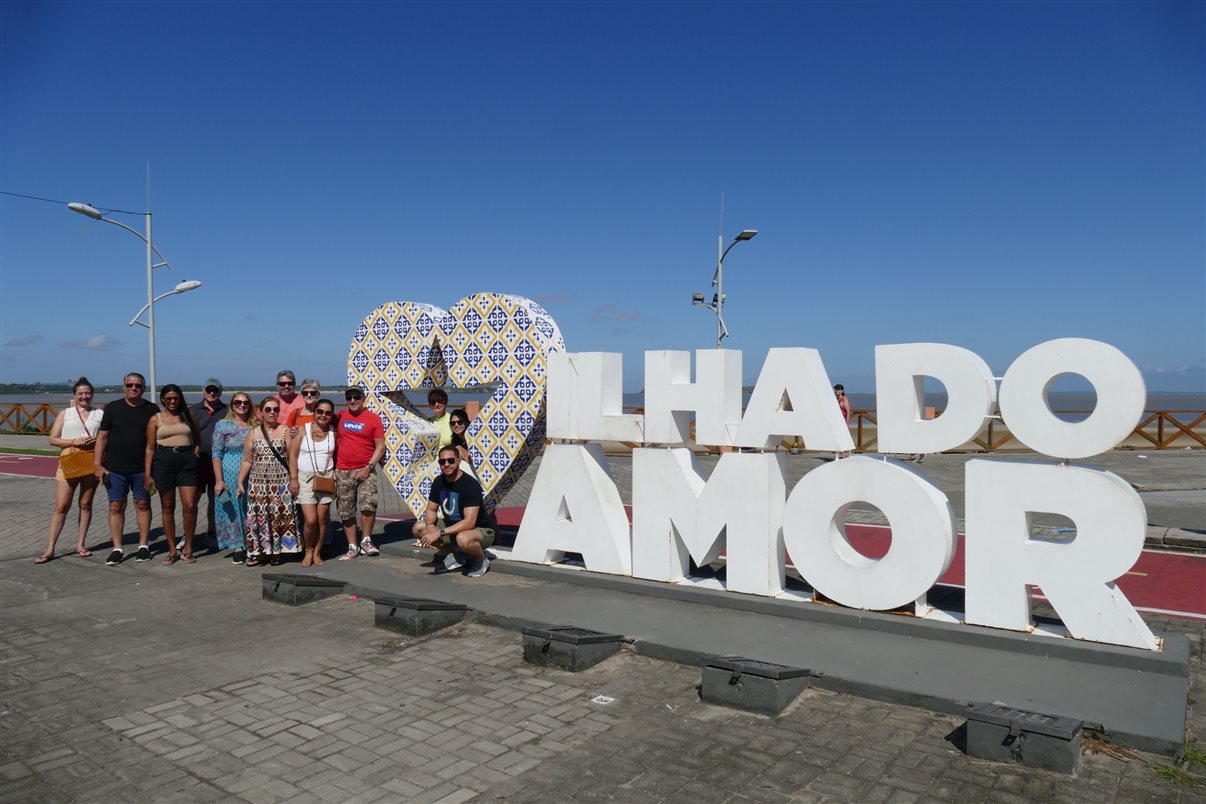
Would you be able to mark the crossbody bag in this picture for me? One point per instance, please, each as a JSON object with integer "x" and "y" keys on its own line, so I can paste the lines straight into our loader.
{"x": 321, "y": 484}
{"x": 76, "y": 461}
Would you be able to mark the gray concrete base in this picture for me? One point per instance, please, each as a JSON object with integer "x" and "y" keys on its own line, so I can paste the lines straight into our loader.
{"x": 416, "y": 616}
{"x": 568, "y": 647}
{"x": 1136, "y": 697}
{"x": 296, "y": 589}
{"x": 751, "y": 685}
{"x": 1004, "y": 734}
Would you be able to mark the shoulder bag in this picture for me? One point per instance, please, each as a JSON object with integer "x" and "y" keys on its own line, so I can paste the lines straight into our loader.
{"x": 76, "y": 462}
{"x": 322, "y": 484}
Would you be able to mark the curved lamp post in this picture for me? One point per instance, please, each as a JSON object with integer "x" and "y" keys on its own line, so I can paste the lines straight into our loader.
{"x": 717, "y": 304}
{"x": 92, "y": 212}
{"x": 183, "y": 287}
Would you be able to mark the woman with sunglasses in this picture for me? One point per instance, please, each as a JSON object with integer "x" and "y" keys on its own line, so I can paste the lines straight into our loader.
{"x": 310, "y": 391}
{"x": 74, "y": 430}
{"x": 264, "y": 484}
{"x": 458, "y": 421}
{"x": 173, "y": 449}
{"x": 311, "y": 455}
{"x": 229, "y": 435}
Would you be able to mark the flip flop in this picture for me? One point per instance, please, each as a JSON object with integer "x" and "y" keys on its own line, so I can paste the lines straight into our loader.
{"x": 171, "y": 559}
{"x": 188, "y": 559}
{"x": 84, "y": 553}
{"x": 44, "y": 559}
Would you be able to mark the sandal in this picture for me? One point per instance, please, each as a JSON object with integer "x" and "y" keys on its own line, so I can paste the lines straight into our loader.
{"x": 44, "y": 558}
{"x": 254, "y": 561}
{"x": 171, "y": 559}
{"x": 189, "y": 559}
{"x": 276, "y": 561}
{"x": 85, "y": 553}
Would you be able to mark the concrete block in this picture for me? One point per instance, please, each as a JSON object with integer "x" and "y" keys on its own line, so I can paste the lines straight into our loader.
{"x": 750, "y": 684}
{"x": 296, "y": 590}
{"x": 416, "y": 616}
{"x": 567, "y": 647}
{"x": 1004, "y": 734}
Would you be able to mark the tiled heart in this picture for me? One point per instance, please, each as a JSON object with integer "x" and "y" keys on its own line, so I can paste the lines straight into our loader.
{"x": 483, "y": 339}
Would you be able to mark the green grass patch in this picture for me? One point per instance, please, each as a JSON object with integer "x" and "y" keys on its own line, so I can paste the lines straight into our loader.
{"x": 1176, "y": 776}
{"x": 1192, "y": 755}
{"x": 23, "y": 451}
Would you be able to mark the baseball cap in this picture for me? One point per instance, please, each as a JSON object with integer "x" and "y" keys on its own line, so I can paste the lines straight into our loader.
{"x": 215, "y": 382}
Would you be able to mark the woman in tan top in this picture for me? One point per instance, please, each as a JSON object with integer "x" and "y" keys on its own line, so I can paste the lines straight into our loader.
{"x": 173, "y": 449}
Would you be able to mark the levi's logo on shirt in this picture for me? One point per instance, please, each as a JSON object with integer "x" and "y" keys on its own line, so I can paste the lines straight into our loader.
{"x": 355, "y": 427}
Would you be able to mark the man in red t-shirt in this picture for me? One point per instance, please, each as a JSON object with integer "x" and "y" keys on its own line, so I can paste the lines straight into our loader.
{"x": 360, "y": 445}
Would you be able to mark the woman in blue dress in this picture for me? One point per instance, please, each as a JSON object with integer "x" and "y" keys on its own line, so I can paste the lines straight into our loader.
{"x": 229, "y": 435}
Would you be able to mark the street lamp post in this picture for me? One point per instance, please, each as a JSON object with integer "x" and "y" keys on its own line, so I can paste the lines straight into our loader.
{"x": 717, "y": 304}
{"x": 92, "y": 212}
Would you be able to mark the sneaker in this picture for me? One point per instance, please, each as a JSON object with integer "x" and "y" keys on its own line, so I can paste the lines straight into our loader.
{"x": 352, "y": 552}
{"x": 452, "y": 563}
{"x": 144, "y": 553}
{"x": 479, "y": 568}
{"x": 114, "y": 558}
{"x": 237, "y": 557}
{"x": 180, "y": 543}
{"x": 368, "y": 548}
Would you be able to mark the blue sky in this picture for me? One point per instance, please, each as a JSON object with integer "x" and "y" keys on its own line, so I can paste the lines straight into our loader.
{"x": 989, "y": 175}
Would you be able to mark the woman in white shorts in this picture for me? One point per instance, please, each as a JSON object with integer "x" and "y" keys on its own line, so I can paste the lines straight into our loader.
{"x": 312, "y": 455}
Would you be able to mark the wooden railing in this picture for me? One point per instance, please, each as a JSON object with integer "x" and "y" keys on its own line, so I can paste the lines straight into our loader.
{"x": 1159, "y": 429}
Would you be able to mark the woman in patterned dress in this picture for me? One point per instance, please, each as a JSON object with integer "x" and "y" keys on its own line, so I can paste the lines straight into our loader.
{"x": 264, "y": 482}
{"x": 229, "y": 435}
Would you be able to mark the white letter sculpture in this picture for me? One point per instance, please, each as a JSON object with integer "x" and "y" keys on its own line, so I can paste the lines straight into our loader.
{"x": 586, "y": 398}
{"x": 900, "y": 370}
{"x": 1121, "y": 397}
{"x": 574, "y": 507}
{"x": 671, "y": 397}
{"x": 678, "y": 515}
{"x": 923, "y": 532}
{"x": 793, "y": 397}
{"x": 1003, "y": 561}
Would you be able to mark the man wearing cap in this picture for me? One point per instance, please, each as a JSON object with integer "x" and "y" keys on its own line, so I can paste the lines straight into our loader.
{"x": 468, "y": 518}
{"x": 361, "y": 440}
{"x": 206, "y": 413}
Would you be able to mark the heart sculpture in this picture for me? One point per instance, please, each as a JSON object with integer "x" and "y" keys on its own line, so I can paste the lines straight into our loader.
{"x": 484, "y": 339}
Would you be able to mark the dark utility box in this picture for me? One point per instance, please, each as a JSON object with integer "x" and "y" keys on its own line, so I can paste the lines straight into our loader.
{"x": 1004, "y": 734}
{"x": 416, "y": 616}
{"x": 750, "y": 684}
{"x": 567, "y": 647}
{"x": 295, "y": 590}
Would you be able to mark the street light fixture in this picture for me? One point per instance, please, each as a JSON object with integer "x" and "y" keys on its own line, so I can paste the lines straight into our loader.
{"x": 183, "y": 287}
{"x": 89, "y": 211}
{"x": 717, "y": 304}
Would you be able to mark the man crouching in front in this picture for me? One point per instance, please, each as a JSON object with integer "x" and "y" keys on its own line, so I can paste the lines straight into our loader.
{"x": 468, "y": 524}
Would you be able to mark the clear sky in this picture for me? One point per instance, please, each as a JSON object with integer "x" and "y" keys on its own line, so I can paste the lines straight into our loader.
{"x": 991, "y": 175}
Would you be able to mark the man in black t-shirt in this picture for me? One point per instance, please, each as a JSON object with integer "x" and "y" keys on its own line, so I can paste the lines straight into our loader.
{"x": 468, "y": 520}
{"x": 121, "y": 446}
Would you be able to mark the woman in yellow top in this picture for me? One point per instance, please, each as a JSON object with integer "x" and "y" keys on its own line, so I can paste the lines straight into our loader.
{"x": 173, "y": 450}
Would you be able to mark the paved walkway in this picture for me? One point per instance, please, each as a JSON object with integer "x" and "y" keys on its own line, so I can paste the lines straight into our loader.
{"x": 153, "y": 683}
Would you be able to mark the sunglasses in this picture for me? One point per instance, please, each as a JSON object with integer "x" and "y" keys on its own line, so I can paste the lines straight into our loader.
{"x": 447, "y": 461}
{"x": 241, "y": 403}
{"x": 353, "y": 397}
{"x": 133, "y": 385}
{"x": 286, "y": 384}
{"x": 212, "y": 390}
{"x": 458, "y": 423}
{"x": 324, "y": 413}
{"x": 309, "y": 393}
{"x": 271, "y": 410}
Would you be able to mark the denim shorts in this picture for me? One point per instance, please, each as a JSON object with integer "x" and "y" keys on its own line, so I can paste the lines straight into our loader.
{"x": 119, "y": 484}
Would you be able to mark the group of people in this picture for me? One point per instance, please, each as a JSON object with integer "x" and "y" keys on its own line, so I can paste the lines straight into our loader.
{"x": 258, "y": 464}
